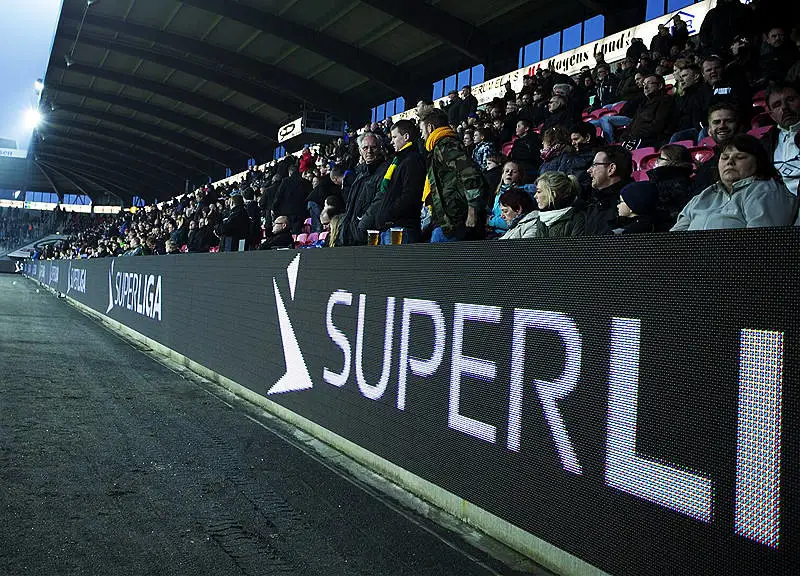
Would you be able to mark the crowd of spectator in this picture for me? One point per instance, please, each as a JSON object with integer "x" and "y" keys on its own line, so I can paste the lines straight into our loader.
{"x": 19, "y": 227}
{"x": 560, "y": 157}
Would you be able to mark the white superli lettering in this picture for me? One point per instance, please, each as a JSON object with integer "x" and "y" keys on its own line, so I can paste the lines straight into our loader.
{"x": 475, "y": 367}
{"x": 374, "y": 392}
{"x": 658, "y": 482}
{"x": 548, "y": 392}
{"x": 338, "y": 337}
{"x": 419, "y": 366}
{"x": 758, "y": 442}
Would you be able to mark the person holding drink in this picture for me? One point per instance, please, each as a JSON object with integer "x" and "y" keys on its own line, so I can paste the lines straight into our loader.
{"x": 394, "y": 213}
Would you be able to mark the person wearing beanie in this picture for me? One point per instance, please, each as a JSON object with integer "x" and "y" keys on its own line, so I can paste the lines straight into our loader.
{"x": 638, "y": 209}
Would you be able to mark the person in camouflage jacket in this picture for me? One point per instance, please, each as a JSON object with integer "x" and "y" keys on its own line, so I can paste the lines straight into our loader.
{"x": 454, "y": 189}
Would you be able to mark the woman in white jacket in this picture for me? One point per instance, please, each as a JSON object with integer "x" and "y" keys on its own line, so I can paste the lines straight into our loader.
{"x": 555, "y": 196}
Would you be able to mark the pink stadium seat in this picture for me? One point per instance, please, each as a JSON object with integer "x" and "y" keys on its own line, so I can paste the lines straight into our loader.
{"x": 294, "y": 237}
{"x": 214, "y": 249}
{"x": 760, "y": 120}
{"x": 538, "y": 129}
{"x": 307, "y": 226}
{"x": 596, "y": 114}
{"x": 313, "y": 237}
{"x": 685, "y": 143}
{"x": 185, "y": 248}
{"x": 701, "y": 154}
{"x": 506, "y": 149}
{"x": 323, "y": 235}
{"x": 302, "y": 239}
{"x": 640, "y": 153}
{"x": 760, "y": 131}
{"x": 708, "y": 141}
{"x": 599, "y": 131}
{"x": 649, "y": 162}
{"x": 618, "y": 107}
{"x": 640, "y": 176}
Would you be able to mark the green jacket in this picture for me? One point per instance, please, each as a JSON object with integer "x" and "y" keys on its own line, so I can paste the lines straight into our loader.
{"x": 456, "y": 184}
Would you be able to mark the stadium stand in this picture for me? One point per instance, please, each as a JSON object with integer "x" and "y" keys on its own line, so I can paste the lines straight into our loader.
{"x": 331, "y": 190}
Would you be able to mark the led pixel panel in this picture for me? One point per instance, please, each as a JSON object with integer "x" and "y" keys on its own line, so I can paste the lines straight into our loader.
{"x": 632, "y": 401}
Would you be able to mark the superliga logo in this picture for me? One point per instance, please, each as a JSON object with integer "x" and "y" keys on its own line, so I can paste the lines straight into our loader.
{"x": 296, "y": 376}
{"x": 757, "y": 500}
{"x": 140, "y": 293}
{"x": 76, "y": 280}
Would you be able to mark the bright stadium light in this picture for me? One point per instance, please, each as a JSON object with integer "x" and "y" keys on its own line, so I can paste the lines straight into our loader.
{"x": 38, "y": 86}
{"x": 32, "y": 118}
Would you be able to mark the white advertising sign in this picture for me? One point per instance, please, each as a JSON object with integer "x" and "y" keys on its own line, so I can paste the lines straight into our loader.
{"x": 13, "y": 153}
{"x": 290, "y": 130}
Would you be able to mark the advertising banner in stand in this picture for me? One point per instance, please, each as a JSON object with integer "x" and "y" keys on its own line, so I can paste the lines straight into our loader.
{"x": 631, "y": 400}
{"x": 570, "y": 62}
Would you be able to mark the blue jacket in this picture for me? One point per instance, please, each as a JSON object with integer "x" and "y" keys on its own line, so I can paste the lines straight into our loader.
{"x": 496, "y": 222}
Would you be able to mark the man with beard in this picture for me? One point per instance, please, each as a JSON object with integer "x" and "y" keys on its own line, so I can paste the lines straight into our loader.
{"x": 723, "y": 124}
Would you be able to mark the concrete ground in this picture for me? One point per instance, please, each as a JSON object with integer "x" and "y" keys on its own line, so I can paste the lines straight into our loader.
{"x": 113, "y": 464}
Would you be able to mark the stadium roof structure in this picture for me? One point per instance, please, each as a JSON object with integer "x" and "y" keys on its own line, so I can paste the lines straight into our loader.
{"x": 144, "y": 94}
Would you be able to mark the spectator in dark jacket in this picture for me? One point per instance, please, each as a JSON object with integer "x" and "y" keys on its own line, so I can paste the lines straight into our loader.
{"x": 398, "y": 200}
{"x": 469, "y": 104}
{"x": 235, "y": 226}
{"x": 204, "y": 238}
{"x": 268, "y": 195}
{"x": 728, "y": 19}
{"x": 636, "y": 49}
{"x": 626, "y": 87}
{"x": 291, "y": 199}
{"x": 280, "y": 237}
{"x": 655, "y": 120}
{"x": 559, "y": 114}
{"x": 777, "y": 54}
{"x": 254, "y": 213}
{"x": 718, "y": 87}
{"x": 691, "y": 104}
{"x": 527, "y": 147}
{"x": 672, "y": 177}
{"x": 365, "y": 187}
{"x": 606, "y": 86}
{"x": 610, "y": 172}
{"x": 453, "y": 108}
{"x": 662, "y": 41}
{"x": 638, "y": 209}
{"x": 558, "y": 155}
